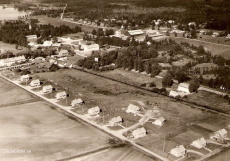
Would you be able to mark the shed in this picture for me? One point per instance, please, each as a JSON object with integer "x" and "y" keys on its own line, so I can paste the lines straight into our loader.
{"x": 25, "y": 78}
{"x": 199, "y": 143}
{"x": 183, "y": 87}
{"x": 133, "y": 109}
{"x": 115, "y": 121}
{"x": 178, "y": 151}
{"x": 47, "y": 89}
{"x": 160, "y": 121}
{"x": 94, "y": 110}
{"x": 77, "y": 102}
{"x": 61, "y": 95}
{"x": 35, "y": 83}
{"x": 140, "y": 132}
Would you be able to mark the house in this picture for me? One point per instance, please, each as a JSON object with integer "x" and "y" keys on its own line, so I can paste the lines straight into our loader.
{"x": 199, "y": 143}
{"x": 140, "y": 132}
{"x": 115, "y": 121}
{"x": 133, "y": 109}
{"x": 135, "y": 32}
{"x": 62, "y": 64}
{"x": 61, "y": 95}
{"x": 92, "y": 47}
{"x": 221, "y": 134}
{"x": 47, "y": 89}
{"x": 173, "y": 93}
{"x": 77, "y": 102}
{"x": 25, "y": 78}
{"x": 63, "y": 53}
{"x": 10, "y": 61}
{"x": 183, "y": 87}
{"x": 179, "y": 151}
{"x": 31, "y": 37}
{"x": 94, "y": 110}
{"x": 160, "y": 121}
{"x": 215, "y": 34}
{"x": 35, "y": 83}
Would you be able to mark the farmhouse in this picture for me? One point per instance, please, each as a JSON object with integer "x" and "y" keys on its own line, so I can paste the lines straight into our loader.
{"x": 25, "y": 78}
{"x": 173, "y": 93}
{"x": 140, "y": 132}
{"x": 35, "y": 83}
{"x": 47, "y": 89}
{"x": 61, "y": 95}
{"x": 115, "y": 121}
{"x": 221, "y": 134}
{"x": 179, "y": 151}
{"x": 200, "y": 143}
{"x": 160, "y": 121}
{"x": 77, "y": 102}
{"x": 133, "y": 109}
{"x": 183, "y": 87}
{"x": 94, "y": 110}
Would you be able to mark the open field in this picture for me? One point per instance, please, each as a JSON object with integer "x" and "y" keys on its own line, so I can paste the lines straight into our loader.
{"x": 11, "y": 47}
{"x": 45, "y": 133}
{"x": 57, "y": 22}
{"x": 117, "y": 154}
{"x": 12, "y": 94}
{"x": 214, "y": 48}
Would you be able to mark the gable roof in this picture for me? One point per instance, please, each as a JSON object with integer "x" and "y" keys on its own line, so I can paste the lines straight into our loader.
{"x": 222, "y": 132}
{"x": 61, "y": 93}
{"x": 139, "y": 131}
{"x": 77, "y": 101}
{"x": 184, "y": 85}
{"x": 200, "y": 141}
{"x": 160, "y": 119}
{"x": 93, "y": 109}
{"x": 116, "y": 119}
{"x": 47, "y": 87}
{"x": 135, "y": 32}
{"x": 178, "y": 150}
{"x": 133, "y": 107}
{"x": 35, "y": 81}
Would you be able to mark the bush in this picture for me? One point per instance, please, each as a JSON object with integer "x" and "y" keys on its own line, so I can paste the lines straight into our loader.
{"x": 152, "y": 84}
{"x": 143, "y": 85}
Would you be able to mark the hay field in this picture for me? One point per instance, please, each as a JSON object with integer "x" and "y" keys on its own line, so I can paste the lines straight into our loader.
{"x": 45, "y": 133}
{"x": 13, "y": 94}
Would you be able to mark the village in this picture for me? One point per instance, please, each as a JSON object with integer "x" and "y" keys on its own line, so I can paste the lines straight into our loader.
{"x": 159, "y": 88}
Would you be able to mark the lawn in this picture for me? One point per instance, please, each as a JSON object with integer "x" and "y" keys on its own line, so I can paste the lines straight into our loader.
{"x": 11, "y": 48}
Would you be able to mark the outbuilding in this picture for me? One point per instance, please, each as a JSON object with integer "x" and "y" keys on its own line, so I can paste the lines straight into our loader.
{"x": 160, "y": 121}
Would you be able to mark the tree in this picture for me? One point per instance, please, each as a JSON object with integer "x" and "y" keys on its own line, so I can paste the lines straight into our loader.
{"x": 194, "y": 84}
{"x": 167, "y": 80}
{"x": 94, "y": 32}
{"x": 140, "y": 65}
{"x": 211, "y": 82}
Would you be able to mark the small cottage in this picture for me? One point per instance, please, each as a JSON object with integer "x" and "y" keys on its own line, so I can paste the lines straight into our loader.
{"x": 140, "y": 132}
{"x": 25, "y": 78}
{"x": 160, "y": 121}
{"x": 183, "y": 87}
{"x": 35, "y": 83}
{"x": 47, "y": 89}
{"x": 179, "y": 151}
{"x": 199, "y": 143}
{"x": 61, "y": 95}
{"x": 77, "y": 102}
{"x": 133, "y": 109}
{"x": 115, "y": 121}
{"x": 94, "y": 110}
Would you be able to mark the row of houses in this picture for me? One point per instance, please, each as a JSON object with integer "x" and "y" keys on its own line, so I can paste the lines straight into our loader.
{"x": 13, "y": 60}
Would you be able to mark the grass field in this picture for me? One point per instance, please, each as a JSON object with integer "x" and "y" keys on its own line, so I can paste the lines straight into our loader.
{"x": 10, "y": 47}
{"x": 46, "y": 133}
{"x": 13, "y": 94}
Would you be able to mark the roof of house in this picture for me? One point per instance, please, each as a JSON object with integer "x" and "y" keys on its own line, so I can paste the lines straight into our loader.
{"x": 94, "y": 109}
{"x": 47, "y": 87}
{"x": 133, "y": 107}
{"x": 92, "y": 46}
{"x": 77, "y": 101}
{"x": 178, "y": 149}
{"x": 116, "y": 119}
{"x": 184, "y": 85}
{"x": 25, "y": 76}
{"x": 205, "y": 65}
{"x": 160, "y": 119}
{"x": 173, "y": 93}
{"x": 135, "y": 32}
{"x": 222, "y": 132}
{"x": 61, "y": 93}
{"x": 63, "y": 52}
{"x": 139, "y": 131}
{"x": 200, "y": 141}
{"x": 35, "y": 81}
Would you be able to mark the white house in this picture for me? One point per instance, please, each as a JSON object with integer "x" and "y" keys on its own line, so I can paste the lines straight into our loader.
{"x": 215, "y": 34}
{"x": 61, "y": 95}
{"x": 133, "y": 109}
{"x": 220, "y": 134}
{"x": 10, "y": 61}
{"x": 135, "y": 32}
{"x": 183, "y": 87}
{"x": 63, "y": 53}
{"x": 140, "y": 132}
{"x": 115, "y": 121}
{"x": 47, "y": 89}
{"x": 35, "y": 83}
{"x": 173, "y": 93}
{"x": 92, "y": 47}
{"x": 199, "y": 143}
{"x": 31, "y": 37}
{"x": 160, "y": 121}
{"x": 179, "y": 151}
{"x": 25, "y": 78}
{"x": 94, "y": 111}
{"x": 77, "y": 102}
